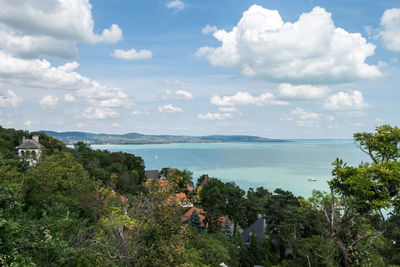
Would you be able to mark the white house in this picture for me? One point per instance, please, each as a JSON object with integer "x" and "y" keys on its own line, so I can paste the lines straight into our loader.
{"x": 30, "y": 150}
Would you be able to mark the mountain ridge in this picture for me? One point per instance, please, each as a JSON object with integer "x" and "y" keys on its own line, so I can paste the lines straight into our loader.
{"x": 138, "y": 138}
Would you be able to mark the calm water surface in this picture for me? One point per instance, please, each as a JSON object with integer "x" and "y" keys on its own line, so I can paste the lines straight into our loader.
{"x": 285, "y": 165}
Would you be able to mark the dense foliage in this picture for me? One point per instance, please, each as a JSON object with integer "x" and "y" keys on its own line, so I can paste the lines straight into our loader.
{"x": 85, "y": 207}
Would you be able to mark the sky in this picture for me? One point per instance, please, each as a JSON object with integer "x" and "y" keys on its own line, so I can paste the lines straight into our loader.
{"x": 278, "y": 69}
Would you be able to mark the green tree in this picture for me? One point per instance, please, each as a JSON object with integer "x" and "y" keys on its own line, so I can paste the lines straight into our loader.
{"x": 195, "y": 221}
{"x": 213, "y": 200}
{"x": 235, "y": 204}
{"x": 227, "y": 228}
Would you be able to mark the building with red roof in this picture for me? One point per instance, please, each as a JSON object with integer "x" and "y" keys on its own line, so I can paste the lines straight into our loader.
{"x": 185, "y": 217}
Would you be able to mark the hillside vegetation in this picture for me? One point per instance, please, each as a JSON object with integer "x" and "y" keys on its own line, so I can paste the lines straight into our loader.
{"x": 85, "y": 207}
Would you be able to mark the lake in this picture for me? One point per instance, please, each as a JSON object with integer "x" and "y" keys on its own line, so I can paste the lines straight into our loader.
{"x": 285, "y": 165}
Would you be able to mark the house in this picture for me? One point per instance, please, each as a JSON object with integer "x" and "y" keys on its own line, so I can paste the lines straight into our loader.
{"x": 257, "y": 229}
{"x": 205, "y": 180}
{"x": 182, "y": 200}
{"x": 185, "y": 218}
{"x": 30, "y": 150}
{"x": 152, "y": 174}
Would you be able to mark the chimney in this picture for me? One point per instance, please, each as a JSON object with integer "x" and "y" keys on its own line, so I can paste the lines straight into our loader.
{"x": 259, "y": 216}
{"x": 23, "y": 139}
{"x": 36, "y": 138}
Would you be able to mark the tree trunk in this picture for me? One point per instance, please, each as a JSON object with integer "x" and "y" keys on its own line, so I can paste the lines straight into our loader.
{"x": 344, "y": 252}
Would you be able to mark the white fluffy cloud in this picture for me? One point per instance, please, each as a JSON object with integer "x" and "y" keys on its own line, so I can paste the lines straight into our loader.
{"x": 346, "y": 101}
{"x": 287, "y": 90}
{"x": 48, "y": 101}
{"x": 310, "y": 50}
{"x": 98, "y": 113}
{"x": 176, "y": 4}
{"x": 215, "y": 116}
{"x": 390, "y": 24}
{"x": 40, "y": 73}
{"x": 306, "y": 119}
{"x": 9, "y": 99}
{"x": 208, "y": 29}
{"x": 245, "y": 98}
{"x": 169, "y": 109}
{"x": 69, "y": 98}
{"x": 140, "y": 113}
{"x": 50, "y": 28}
{"x": 181, "y": 94}
{"x": 132, "y": 54}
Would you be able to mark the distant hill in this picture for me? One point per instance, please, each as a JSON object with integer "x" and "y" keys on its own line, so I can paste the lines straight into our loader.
{"x": 136, "y": 138}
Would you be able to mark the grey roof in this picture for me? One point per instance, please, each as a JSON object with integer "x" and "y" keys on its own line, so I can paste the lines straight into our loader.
{"x": 29, "y": 144}
{"x": 258, "y": 227}
{"x": 152, "y": 174}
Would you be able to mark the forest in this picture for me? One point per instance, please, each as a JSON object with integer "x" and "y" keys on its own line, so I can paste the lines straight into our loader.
{"x": 83, "y": 207}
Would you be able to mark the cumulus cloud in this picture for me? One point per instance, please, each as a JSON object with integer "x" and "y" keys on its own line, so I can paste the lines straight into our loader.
{"x": 309, "y": 51}
{"x": 287, "y": 90}
{"x": 346, "y": 101}
{"x": 215, "y": 116}
{"x": 132, "y": 54}
{"x": 48, "y": 101}
{"x": 96, "y": 113}
{"x": 181, "y": 94}
{"x": 176, "y": 4}
{"x": 306, "y": 119}
{"x": 69, "y": 98}
{"x": 390, "y": 28}
{"x": 140, "y": 113}
{"x": 41, "y": 74}
{"x": 169, "y": 109}
{"x": 208, "y": 29}
{"x": 9, "y": 99}
{"x": 50, "y": 28}
{"x": 245, "y": 98}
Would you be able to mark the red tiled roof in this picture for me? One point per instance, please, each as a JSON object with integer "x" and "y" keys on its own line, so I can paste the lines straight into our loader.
{"x": 186, "y": 216}
{"x": 181, "y": 197}
{"x": 205, "y": 180}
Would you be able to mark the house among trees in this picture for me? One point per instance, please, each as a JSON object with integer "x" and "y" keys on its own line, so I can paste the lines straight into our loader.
{"x": 257, "y": 228}
{"x": 205, "y": 180}
{"x": 185, "y": 218}
{"x": 181, "y": 199}
{"x": 30, "y": 150}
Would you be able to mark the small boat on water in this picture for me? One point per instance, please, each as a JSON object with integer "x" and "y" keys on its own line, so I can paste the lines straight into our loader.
{"x": 311, "y": 179}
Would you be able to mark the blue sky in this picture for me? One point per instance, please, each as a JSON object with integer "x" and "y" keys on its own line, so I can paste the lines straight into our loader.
{"x": 279, "y": 69}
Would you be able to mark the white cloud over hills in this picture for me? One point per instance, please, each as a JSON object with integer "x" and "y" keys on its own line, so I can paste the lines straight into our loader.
{"x": 311, "y": 50}
{"x": 50, "y": 28}
{"x": 41, "y": 74}
{"x": 306, "y": 119}
{"x": 215, "y": 116}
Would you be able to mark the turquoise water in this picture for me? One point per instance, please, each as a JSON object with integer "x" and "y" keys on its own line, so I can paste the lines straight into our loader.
{"x": 285, "y": 165}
